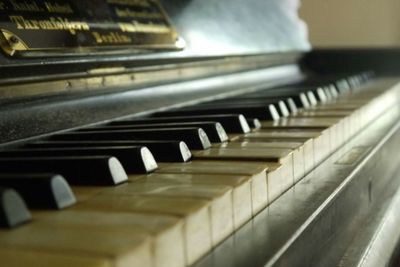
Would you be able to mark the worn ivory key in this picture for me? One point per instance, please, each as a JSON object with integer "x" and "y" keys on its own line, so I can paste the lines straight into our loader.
{"x": 296, "y": 147}
{"x": 320, "y": 140}
{"x": 281, "y": 161}
{"x": 219, "y": 200}
{"x": 307, "y": 146}
{"x": 225, "y": 173}
{"x": 114, "y": 247}
{"x": 197, "y": 185}
{"x": 164, "y": 230}
{"x": 17, "y": 257}
{"x": 338, "y": 130}
{"x": 193, "y": 211}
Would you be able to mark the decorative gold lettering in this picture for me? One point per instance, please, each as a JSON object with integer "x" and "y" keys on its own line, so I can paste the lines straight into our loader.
{"x": 22, "y": 24}
{"x": 141, "y": 27}
{"x": 111, "y": 38}
{"x": 58, "y": 8}
{"x": 60, "y": 24}
{"x": 30, "y": 6}
{"x": 132, "y": 23}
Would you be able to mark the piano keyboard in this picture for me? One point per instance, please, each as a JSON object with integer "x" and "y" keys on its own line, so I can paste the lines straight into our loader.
{"x": 167, "y": 189}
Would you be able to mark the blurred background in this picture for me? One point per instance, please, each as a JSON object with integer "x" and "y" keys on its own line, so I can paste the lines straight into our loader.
{"x": 354, "y": 23}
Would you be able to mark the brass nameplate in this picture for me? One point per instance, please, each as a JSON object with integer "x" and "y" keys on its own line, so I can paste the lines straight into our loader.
{"x": 37, "y": 27}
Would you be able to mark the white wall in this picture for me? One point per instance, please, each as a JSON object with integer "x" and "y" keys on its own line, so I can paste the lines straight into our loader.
{"x": 352, "y": 23}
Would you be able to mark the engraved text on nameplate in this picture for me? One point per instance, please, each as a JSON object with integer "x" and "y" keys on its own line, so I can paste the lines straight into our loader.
{"x": 28, "y": 26}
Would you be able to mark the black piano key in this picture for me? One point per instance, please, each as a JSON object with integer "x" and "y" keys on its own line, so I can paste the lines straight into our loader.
{"x": 232, "y": 123}
{"x": 297, "y": 97}
{"x": 357, "y": 80}
{"x": 369, "y": 75}
{"x": 284, "y": 111}
{"x": 195, "y": 138}
{"x": 40, "y": 191}
{"x": 301, "y": 100}
{"x": 163, "y": 151}
{"x": 134, "y": 159}
{"x": 343, "y": 86}
{"x": 276, "y": 92}
{"x": 333, "y": 91}
{"x": 321, "y": 95}
{"x": 94, "y": 170}
{"x": 352, "y": 81}
{"x": 304, "y": 99}
{"x": 286, "y": 104}
{"x": 329, "y": 96}
{"x": 311, "y": 98}
{"x": 316, "y": 81}
{"x": 13, "y": 210}
{"x": 314, "y": 93}
{"x": 268, "y": 112}
{"x": 339, "y": 84}
{"x": 292, "y": 105}
{"x": 238, "y": 103}
{"x": 254, "y": 123}
{"x": 320, "y": 92}
{"x": 214, "y": 130}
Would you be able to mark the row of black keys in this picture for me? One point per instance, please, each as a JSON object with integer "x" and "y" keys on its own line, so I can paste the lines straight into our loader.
{"x": 102, "y": 155}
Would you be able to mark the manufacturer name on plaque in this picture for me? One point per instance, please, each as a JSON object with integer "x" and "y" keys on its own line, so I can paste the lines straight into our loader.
{"x": 75, "y": 26}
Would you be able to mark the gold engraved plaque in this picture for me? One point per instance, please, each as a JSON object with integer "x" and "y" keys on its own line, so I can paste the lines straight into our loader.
{"x": 36, "y": 27}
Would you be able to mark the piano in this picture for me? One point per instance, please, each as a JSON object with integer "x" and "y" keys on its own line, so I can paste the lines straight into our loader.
{"x": 192, "y": 133}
